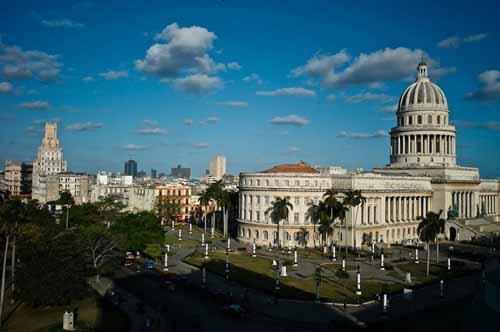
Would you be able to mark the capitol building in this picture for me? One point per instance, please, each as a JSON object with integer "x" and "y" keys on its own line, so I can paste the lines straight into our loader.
{"x": 422, "y": 176}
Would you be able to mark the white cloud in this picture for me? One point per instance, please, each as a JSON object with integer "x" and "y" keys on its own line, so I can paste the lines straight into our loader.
{"x": 353, "y": 135}
{"x": 322, "y": 66}
{"x": 456, "y": 42}
{"x": 84, "y": 126}
{"x": 293, "y": 91}
{"x": 35, "y": 105}
{"x": 389, "y": 64}
{"x": 184, "y": 49}
{"x": 389, "y": 109}
{"x": 88, "y": 79}
{"x": 63, "y": 23}
{"x": 188, "y": 122}
{"x": 198, "y": 84}
{"x": 200, "y": 145}
{"x": 234, "y": 66}
{"x": 151, "y": 132}
{"x": 5, "y": 87}
{"x": 149, "y": 122}
{"x": 368, "y": 97}
{"x": 293, "y": 150}
{"x": 15, "y": 63}
{"x": 292, "y": 119}
{"x": 233, "y": 103}
{"x": 112, "y": 75}
{"x": 210, "y": 120}
{"x": 253, "y": 78}
{"x": 134, "y": 147}
{"x": 489, "y": 86}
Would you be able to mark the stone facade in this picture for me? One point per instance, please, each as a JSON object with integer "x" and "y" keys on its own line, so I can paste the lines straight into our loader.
{"x": 422, "y": 176}
{"x": 18, "y": 178}
{"x": 49, "y": 161}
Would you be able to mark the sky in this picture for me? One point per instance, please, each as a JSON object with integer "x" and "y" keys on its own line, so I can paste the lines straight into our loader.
{"x": 260, "y": 82}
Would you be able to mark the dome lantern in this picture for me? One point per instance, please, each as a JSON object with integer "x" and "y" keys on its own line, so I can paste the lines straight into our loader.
{"x": 422, "y": 70}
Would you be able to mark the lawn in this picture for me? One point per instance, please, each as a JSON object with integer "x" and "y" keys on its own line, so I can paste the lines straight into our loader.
{"x": 440, "y": 271}
{"x": 258, "y": 273}
{"x": 172, "y": 240}
{"x": 93, "y": 315}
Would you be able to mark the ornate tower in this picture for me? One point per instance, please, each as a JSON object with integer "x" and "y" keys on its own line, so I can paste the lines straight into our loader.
{"x": 49, "y": 161}
{"x": 423, "y": 136}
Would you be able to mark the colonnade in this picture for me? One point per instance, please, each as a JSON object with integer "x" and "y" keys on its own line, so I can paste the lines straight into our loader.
{"x": 489, "y": 203}
{"x": 406, "y": 208}
{"x": 465, "y": 203}
{"x": 426, "y": 144}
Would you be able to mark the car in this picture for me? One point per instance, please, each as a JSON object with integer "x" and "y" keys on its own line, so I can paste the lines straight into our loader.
{"x": 149, "y": 264}
{"x": 129, "y": 255}
{"x": 128, "y": 262}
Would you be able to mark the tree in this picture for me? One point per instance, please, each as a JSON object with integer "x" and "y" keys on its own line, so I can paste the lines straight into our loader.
{"x": 279, "y": 211}
{"x": 167, "y": 210}
{"x": 428, "y": 229}
{"x": 316, "y": 213}
{"x": 216, "y": 193}
{"x": 204, "y": 202}
{"x": 135, "y": 230}
{"x": 66, "y": 200}
{"x": 12, "y": 214}
{"x": 99, "y": 246}
{"x": 52, "y": 270}
{"x": 109, "y": 210}
{"x": 353, "y": 198}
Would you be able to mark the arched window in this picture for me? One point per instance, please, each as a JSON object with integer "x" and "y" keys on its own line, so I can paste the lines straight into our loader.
{"x": 402, "y": 121}
{"x": 257, "y": 235}
{"x": 429, "y": 119}
{"x": 249, "y": 234}
{"x": 410, "y": 120}
{"x": 419, "y": 119}
{"x": 438, "y": 120}
{"x": 265, "y": 235}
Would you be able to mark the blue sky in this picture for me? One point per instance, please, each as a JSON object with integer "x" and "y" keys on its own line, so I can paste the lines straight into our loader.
{"x": 261, "y": 82}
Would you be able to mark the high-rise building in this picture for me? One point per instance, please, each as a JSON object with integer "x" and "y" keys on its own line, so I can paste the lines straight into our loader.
{"x": 218, "y": 167}
{"x": 18, "y": 178}
{"x": 130, "y": 168}
{"x": 181, "y": 172}
{"x": 153, "y": 173}
{"x": 49, "y": 161}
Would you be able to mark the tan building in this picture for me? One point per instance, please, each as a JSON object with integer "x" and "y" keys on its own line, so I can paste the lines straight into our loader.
{"x": 18, "y": 178}
{"x": 178, "y": 194}
{"x": 76, "y": 184}
{"x": 217, "y": 167}
{"x": 49, "y": 161}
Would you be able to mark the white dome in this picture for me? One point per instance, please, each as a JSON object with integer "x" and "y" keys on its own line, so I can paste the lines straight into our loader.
{"x": 423, "y": 94}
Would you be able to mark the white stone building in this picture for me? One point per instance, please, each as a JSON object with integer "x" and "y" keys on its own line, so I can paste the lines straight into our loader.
{"x": 422, "y": 176}
{"x": 49, "y": 161}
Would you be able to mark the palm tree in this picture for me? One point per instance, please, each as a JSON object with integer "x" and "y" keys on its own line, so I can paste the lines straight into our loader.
{"x": 314, "y": 214}
{"x": 216, "y": 192}
{"x": 279, "y": 211}
{"x": 204, "y": 202}
{"x": 354, "y": 198}
{"x": 331, "y": 203}
{"x": 325, "y": 229}
{"x": 428, "y": 229}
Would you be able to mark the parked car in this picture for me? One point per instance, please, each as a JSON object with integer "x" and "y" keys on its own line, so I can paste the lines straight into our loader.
{"x": 129, "y": 255}
{"x": 128, "y": 262}
{"x": 149, "y": 264}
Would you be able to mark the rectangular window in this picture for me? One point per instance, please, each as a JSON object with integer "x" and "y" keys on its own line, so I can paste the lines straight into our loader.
{"x": 296, "y": 218}
{"x": 266, "y": 217}
{"x": 307, "y": 183}
{"x": 276, "y": 182}
{"x": 267, "y": 199}
{"x": 297, "y": 183}
{"x": 287, "y": 183}
{"x": 257, "y": 215}
{"x": 296, "y": 201}
{"x": 257, "y": 198}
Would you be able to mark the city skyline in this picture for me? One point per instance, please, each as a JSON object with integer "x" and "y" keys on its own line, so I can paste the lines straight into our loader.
{"x": 190, "y": 83}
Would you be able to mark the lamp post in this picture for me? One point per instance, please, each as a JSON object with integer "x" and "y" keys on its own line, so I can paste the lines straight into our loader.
{"x": 180, "y": 234}
{"x": 416, "y": 255}
{"x": 190, "y": 228}
{"x": 68, "y": 206}
{"x": 449, "y": 264}
{"x": 358, "y": 285}
{"x": 206, "y": 250}
{"x": 382, "y": 262}
{"x": 203, "y": 277}
{"x": 253, "y": 249}
{"x": 202, "y": 239}
{"x": 228, "y": 244}
{"x": 277, "y": 282}
{"x": 165, "y": 267}
{"x": 334, "y": 256}
{"x": 226, "y": 270}
{"x": 295, "y": 258}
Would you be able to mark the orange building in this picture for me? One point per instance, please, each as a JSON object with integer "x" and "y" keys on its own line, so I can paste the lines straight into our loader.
{"x": 178, "y": 194}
